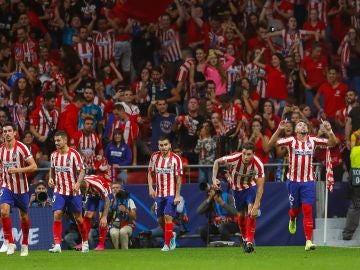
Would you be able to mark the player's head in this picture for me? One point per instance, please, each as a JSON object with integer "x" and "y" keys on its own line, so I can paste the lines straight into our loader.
{"x": 115, "y": 187}
{"x": 9, "y": 131}
{"x": 164, "y": 145}
{"x": 88, "y": 124}
{"x": 248, "y": 152}
{"x": 60, "y": 139}
{"x": 302, "y": 128}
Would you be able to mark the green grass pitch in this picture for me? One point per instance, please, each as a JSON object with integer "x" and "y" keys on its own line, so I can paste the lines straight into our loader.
{"x": 264, "y": 258}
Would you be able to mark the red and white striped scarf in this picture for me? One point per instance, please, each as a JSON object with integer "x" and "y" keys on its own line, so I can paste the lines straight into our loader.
{"x": 329, "y": 171}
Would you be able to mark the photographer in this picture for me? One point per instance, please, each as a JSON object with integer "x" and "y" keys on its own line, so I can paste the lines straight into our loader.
{"x": 219, "y": 206}
{"x": 40, "y": 197}
{"x": 122, "y": 217}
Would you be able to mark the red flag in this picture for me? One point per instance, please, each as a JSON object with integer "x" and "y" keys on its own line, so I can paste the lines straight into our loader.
{"x": 329, "y": 171}
{"x": 144, "y": 11}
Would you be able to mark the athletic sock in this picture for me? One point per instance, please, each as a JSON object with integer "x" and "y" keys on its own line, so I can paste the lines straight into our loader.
{"x": 25, "y": 228}
{"x": 87, "y": 225}
{"x": 82, "y": 231}
{"x": 293, "y": 213}
{"x": 7, "y": 229}
{"x": 308, "y": 221}
{"x": 168, "y": 234}
{"x": 57, "y": 230}
{"x": 102, "y": 235}
{"x": 242, "y": 226}
{"x": 250, "y": 229}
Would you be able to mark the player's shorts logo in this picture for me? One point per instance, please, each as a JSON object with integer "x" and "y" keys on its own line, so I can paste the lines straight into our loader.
{"x": 291, "y": 199}
{"x": 1, "y": 192}
{"x": 53, "y": 199}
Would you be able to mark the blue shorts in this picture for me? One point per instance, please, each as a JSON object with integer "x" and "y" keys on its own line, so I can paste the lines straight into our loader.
{"x": 245, "y": 197}
{"x": 94, "y": 203}
{"x": 165, "y": 206}
{"x": 20, "y": 201}
{"x": 301, "y": 192}
{"x": 71, "y": 203}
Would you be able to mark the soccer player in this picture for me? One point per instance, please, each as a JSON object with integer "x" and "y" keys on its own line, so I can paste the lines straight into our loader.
{"x": 246, "y": 175}
{"x": 97, "y": 189}
{"x": 15, "y": 162}
{"x": 167, "y": 169}
{"x": 300, "y": 177}
{"x": 66, "y": 173}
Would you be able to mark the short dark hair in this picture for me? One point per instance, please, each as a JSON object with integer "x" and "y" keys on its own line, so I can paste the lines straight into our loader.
{"x": 9, "y": 124}
{"x": 61, "y": 133}
{"x": 49, "y": 95}
{"x": 88, "y": 118}
{"x": 249, "y": 146}
{"x": 164, "y": 138}
{"x": 118, "y": 107}
{"x": 78, "y": 97}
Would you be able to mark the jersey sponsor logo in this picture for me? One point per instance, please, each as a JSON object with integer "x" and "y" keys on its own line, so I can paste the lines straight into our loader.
{"x": 61, "y": 169}
{"x": 248, "y": 173}
{"x": 303, "y": 152}
{"x": 163, "y": 170}
{"x": 8, "y": 164}
{"x": 116, "y": 154}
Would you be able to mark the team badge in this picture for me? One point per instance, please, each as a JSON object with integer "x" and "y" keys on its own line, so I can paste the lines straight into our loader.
{"x": 14, "y": 156}
{"x": 169, "y": 164}
{"x": 67, "y": 162}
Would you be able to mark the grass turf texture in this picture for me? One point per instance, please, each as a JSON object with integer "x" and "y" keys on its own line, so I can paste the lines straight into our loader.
{"x": 264, "y": 258}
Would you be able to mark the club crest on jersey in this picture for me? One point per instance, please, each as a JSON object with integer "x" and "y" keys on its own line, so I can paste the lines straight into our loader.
{"x": 14, "y": 156}
{"x": 67, "y": 162}
{"x": 308, "y": 144}
{"x": 168, "y": 165}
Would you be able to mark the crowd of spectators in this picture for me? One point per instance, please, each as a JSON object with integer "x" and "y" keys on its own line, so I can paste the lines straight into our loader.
{"x": 212, "y": 75}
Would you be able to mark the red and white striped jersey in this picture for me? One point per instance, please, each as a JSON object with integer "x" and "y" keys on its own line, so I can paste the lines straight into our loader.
{"x": 231, "y": 117}
{"x": 98, "y": 184}
{"x": 256, "y": 75}
{"x": 27, "y": 51}
{"x": 44, "y": 68}
{"x": 243, "y": 176}
{"x": 130, "y": 129}
{"x": 41, "y": 118}
{"x": 321, "y": 6}
{"x": 15, "y": 157}
{"x": 292, "y": 39}
{"x": 104, "y": 44}
{"x": 301, "y": 157}
{"x": 165, "y": 170}
{"x": 355, "y": 19}
{"x": 234, "y": 74}
{"x": 88, "y": 146}
{"x": 66, "y": 167}
{"x": 86, "y": 52}
{"x": 170, "y": 44}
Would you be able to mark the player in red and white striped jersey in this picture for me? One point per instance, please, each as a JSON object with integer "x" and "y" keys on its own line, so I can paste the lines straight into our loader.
{"x": 66, "y": 173}
{"x": 166, "y": 168}
{"x": 97, "y": 190}
{"x": 16, "y": 160}
{"x": 89, "y": 144}
{"x": 246, "y": 176}
{"x": 301, "y": 177}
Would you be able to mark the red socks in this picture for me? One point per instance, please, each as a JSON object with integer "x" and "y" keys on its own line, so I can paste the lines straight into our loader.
{"x": 293, "y": 213}
{"x": 308, "y": 221}
{"x": 242, "y": 226}
{"x": 168, "y": 233}
{"x": 25, "y": 228}
{"x": 7, "y": 228}
{"x": 87, "y": 225}
{"x": 82, "y": 231}
{"x": 250, "y": 229}
{"x": 57, "y": 230}
{"x": 102, "y": 235}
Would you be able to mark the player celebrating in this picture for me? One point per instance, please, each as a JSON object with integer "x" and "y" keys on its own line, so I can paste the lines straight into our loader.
{"x": 246, "y": 175}
{"x": 97, "y": 189}
{"x": 301, "y": 177}
{"x": 15, "y": 161}
{"x": 167, "y": 168}
{"x": 68, "y": 170}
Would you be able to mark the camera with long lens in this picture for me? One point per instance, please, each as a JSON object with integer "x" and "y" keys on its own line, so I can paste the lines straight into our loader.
{"x": 206, "y": 187}
{"x": 122, "y": 195}
{"x": 41, "y": 197}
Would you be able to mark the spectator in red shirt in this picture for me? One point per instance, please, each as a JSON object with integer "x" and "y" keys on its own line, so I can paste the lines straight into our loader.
{"x": 260, "y": 41}
{"x": 333, "y": 93}
{"x": 276, "y": 79}
{"x": 312, "y": 73}
{"x": 313, "y": 24}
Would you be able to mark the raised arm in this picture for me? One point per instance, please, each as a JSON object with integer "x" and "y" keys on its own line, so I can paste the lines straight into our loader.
{"x": 257, "y": 59}
{"x": 276, "y": 135}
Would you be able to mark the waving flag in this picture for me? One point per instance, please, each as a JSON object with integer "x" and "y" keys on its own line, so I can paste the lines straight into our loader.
{"x": 329, "y": 171}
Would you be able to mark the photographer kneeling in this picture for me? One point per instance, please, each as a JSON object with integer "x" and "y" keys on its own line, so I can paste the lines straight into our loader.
{"x": 122, "y": 217}
{"x": 40, "y": 197}
{"x": 219, "y": 207}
